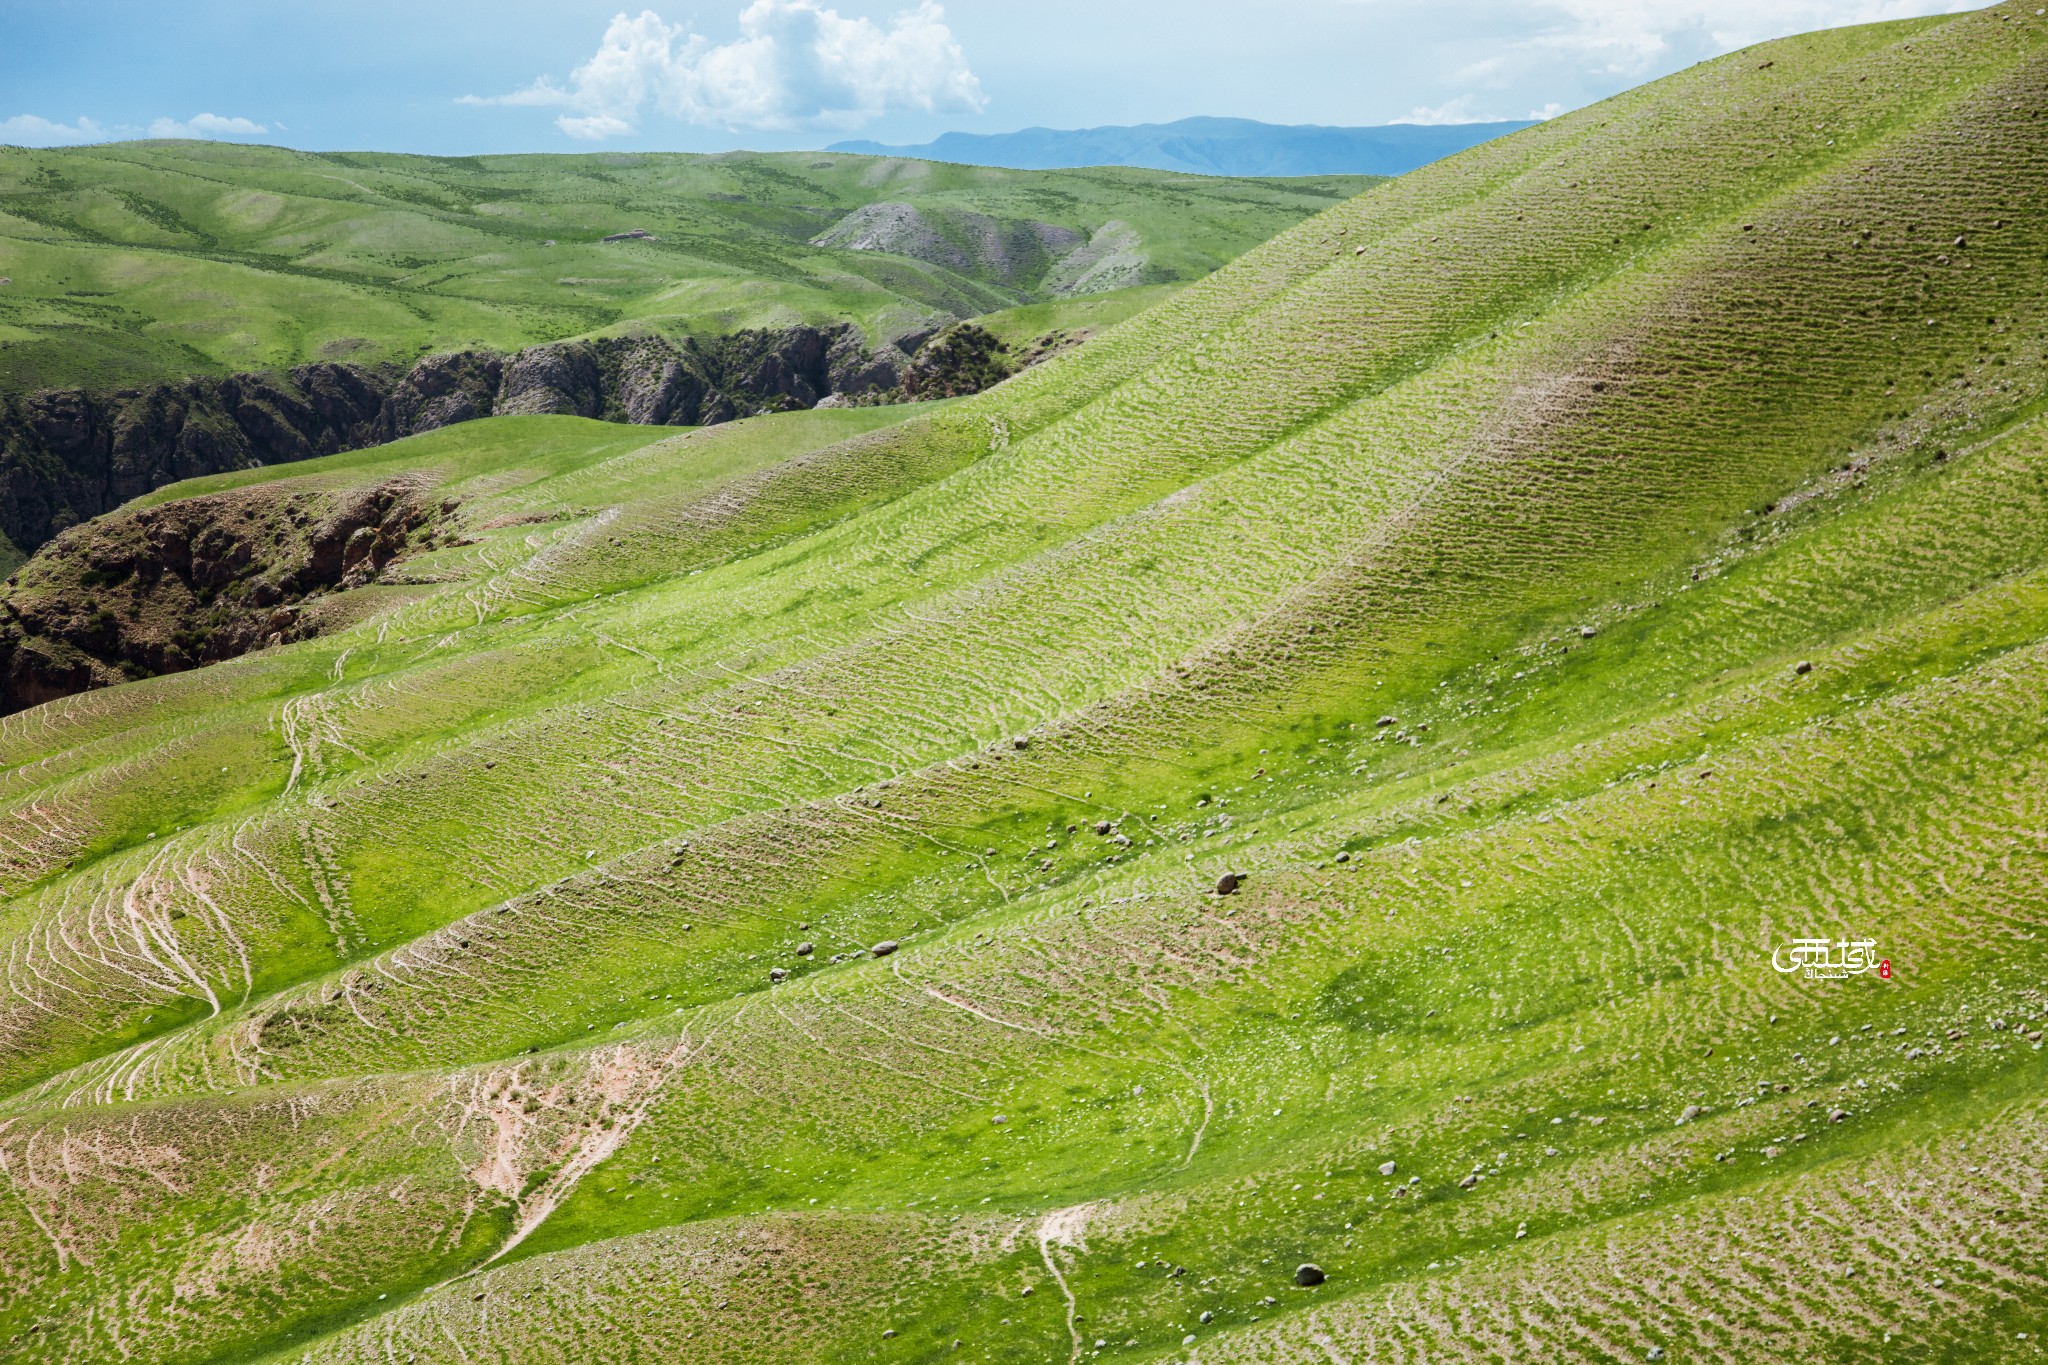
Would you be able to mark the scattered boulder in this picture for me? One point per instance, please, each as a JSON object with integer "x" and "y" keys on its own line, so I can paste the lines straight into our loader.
{"x": 1227, "y": 884}
{"x": 884, "y": 948}
{"x": 1802, "y": 668}
{"x": 778, "y": 973}
{"x": 1837, "y": 1115}
{"x": 1469, "y": 1181}
{"x": 806, "y": 949}
{"x": 1387, "y": 1168}
{"x": 1689, "y": 1113}
{"x": 1308, "y": 1273}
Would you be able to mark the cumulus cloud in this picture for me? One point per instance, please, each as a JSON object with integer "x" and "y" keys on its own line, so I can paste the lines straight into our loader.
{"x": 796, "y": 64}
{"x": 27, "y": 130}
{"x": 209, "y": 127}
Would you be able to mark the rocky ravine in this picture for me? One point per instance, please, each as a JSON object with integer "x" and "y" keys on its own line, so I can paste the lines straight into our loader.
{"x": 192, "y": 582}
{"x": 112, "y": 595}
{"x": 67, "y": 456}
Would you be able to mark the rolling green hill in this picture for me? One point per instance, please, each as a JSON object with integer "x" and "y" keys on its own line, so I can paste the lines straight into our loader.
{"x": 136, "y": 263}
{"x": 1326, "y": 775}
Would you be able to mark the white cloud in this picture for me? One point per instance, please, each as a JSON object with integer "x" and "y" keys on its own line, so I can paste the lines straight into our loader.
{"x": 1458, "y": 110}
{"x": 26, "y": 130}
{"x": 1586, "y": 49}
{"x": 796, "y": 64}
{"x": 1630, "y": 37}
{"x": 210, "y": 127}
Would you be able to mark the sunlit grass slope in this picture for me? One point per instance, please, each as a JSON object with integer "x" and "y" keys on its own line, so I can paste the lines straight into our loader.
{"x": 1554, "y": 582}
{"x": 140, "y": 262}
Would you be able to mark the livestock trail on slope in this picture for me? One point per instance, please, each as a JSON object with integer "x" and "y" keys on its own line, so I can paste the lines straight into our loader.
{"x": 1318, "y": 775}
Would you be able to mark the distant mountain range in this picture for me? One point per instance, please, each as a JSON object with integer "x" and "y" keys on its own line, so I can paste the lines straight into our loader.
{"x": 1207, "y": 146}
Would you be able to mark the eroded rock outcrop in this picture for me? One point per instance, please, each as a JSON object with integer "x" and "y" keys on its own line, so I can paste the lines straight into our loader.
{"x": 1017, "y": 251}
{"x": 961, "y": 360}
{"x": 67, "y": 456}
{"x": 196, "y": 581}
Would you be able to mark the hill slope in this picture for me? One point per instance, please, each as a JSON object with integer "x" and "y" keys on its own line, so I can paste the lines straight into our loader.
{"x": 134, "y": 263}
{"x": 1208, "y": 146}
{"x": 1320, "y": 775}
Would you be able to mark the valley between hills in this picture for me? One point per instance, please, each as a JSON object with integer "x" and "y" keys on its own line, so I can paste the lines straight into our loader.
{"x": 1290, "y": 830}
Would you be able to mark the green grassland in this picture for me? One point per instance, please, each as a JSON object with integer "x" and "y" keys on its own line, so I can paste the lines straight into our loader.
{"x": 140, "y": 262}
{"x": 1555, "y": 581}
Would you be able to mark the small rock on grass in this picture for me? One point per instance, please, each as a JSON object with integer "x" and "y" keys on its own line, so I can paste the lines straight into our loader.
{"x": 1689, "y": 1113}
{"x": 1468, "y": 1182}
{"x": 884, "y": 948}
{"x": 1207, "y": 1316}
{"x": 806, "y": 949}
{"x": 777, "y": 973}
{"x": 1308, "y": 1273}
{"x": 1227, "y": 883}
{"x": 1387, "y": 1168}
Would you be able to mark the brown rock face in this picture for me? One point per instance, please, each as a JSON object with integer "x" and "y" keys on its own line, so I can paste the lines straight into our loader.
{"x": 652, "y": 380}
{"x": 193, "y": 582}
{"x": 67, "y": 456}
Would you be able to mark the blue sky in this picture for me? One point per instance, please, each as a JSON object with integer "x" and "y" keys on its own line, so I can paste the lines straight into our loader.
{"x": 466, "y": 76}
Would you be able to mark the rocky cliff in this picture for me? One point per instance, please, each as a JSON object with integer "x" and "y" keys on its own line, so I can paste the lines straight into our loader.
{"x": 67, "y": 456}
{"x": 192, "y": 582}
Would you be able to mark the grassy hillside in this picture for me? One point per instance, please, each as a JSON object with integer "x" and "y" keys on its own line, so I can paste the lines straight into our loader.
{"x": 1319, "y": 775}
{"x": 139, "y": 262}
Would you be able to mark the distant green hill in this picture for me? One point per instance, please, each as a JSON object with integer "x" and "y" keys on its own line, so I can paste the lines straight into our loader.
{"x": 1296, "y": 831}
{"x": 139, "y": 262}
